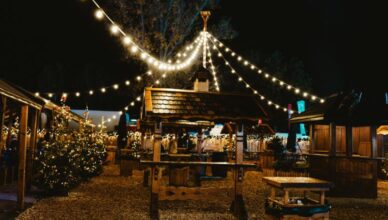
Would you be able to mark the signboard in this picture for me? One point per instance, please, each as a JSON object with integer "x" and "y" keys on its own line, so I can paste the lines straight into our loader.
{"x": 301, "y": 108}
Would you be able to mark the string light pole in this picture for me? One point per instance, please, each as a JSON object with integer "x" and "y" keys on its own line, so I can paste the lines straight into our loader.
{"x": 205, "y": 17}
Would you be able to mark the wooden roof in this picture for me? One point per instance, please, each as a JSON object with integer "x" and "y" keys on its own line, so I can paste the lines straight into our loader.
{"x": 190, "y": 105}
{"x": 353, "y": 108}
{"x": 12, "y": 92}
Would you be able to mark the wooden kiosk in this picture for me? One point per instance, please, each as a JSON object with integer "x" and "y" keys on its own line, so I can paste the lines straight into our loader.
{"x": 169, "y": 106}
{"x": 15, "y": 102}
{"x": 344, "y": 144}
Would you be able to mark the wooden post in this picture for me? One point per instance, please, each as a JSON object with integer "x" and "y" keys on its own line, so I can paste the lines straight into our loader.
{"x": 349, "y": 141}
{"x": 312, "y": 141}
{"x": 2, "y": 119}
{"x": 238, "y": 205}
{"x": 32, "y": 148}
{"x": 22, "y": 156}
{"x": 373, "y": 136}
{"x": 199, "y": 140}
{"x": 156, "y": 172}
{"x": 333, "y": 139}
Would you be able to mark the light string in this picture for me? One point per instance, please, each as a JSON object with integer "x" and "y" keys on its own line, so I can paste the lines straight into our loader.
{"x": 218, "y": 44}
{"x": 135, "y": 49}
{"x": 247, "y": 85}
{"x": 212, "y": 69}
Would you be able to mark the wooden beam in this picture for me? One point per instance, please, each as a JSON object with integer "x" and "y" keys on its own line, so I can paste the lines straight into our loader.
{"x": 349, "y": 141}
{"x": 373, "y": 136}
{"x": 312, "y": 140}
{"x": 2, "y": 119}
{"x": 22, "y": 156}
{"x": 156, "y": 174}
{"x": 32, "y": 148}
{"x": 333, "y": 139}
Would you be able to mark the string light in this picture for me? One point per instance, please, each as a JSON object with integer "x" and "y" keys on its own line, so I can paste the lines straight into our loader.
{"x": 103, "y": 90}
{"x": 127, "y": 82}
{"x": 50, "y": 95}
{"x": 37, "y": 94}
{"x": 99, "y": 14}
{"x": 91, "y": 92}
{"x": 247, "y": 85}
{"x": 116, "y": 86}
{"x": 114, "y": 29}
{"x": 77, "y": 94}
{"x": 252, "y": 67}
{"x": 127, "y": 40}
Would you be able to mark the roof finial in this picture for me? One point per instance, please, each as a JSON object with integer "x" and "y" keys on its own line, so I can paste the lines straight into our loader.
{"x": 205, "y": 16}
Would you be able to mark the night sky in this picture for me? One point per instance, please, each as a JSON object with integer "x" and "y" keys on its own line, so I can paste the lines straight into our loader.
{"x": 338, "y": 42}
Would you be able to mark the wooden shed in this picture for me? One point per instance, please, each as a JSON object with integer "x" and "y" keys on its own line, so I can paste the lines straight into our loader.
{"x": 345, "y": 145}
{"x": 15, "y": 103}
{"x": 183, "y": 108}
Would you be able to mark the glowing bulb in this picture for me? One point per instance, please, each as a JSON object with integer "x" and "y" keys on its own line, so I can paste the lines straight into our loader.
{"x": 132, "y": 103}
{"x": 214, "y": 47}
{"x": 114, "y": 116}
{"x": 179, "y": 54}
{"x": 262, "y": 97}
{"x": 164, "y": 75}
{"x": 169, "y": 61}
{"x": 269, "y": 103}
{"x": 276, "y": 106}
{"x": 134, "y": 49}
{"x": 50, "y": 95}
{"x": 138, "y": 78}
{"x": 239, "y": 58}
{"x": 233, "y": 71}
{"x": 99, "y": 14}
{"x": 126, "y": 108}
{"x": 233, "y": 54}
{"x": 184, "y": 54}
{"x": 291, "y": 112}
{"x": 220, "y": 45}
{"x": 313, "y": 97}
{"x": 266, "y": 75}
{"x": 219, "y": 54}
{"x": 273, "y": 79}
{"x": 227, "y": 63}
{"x": 37, "y": 94}
{"x": 284, "y": 109}
{"x": 91, "y": 92}
{"x": 109, "y": 120}
{"x": 281, "y": 83}
{"x": 143, "y": 55}
{"x": 289, "y": 87}
{"x": 127, "y": 82}
{"x": 239, "y": 79}
{"x": 114, "y": 29}
{"x": 127, "y": 40}
{"x": 218, "y": 89}
{"x": 226, "y": 49}
{"x": 149, "y": 72}
{"x": 103, "y": 90}
{"x": 255, "y": 92}
{"x": 252, "y": 67}
{"x": 64, "y": 94}
{"x": 297, "y": 91}
{"x": 157, "y": 82}
{"x": 77, "y": 94}
{"x": 322, "y": 101}
{"x": 116, "y": 86}
{"x": 259, "y": 71}
{"x": 247, "y": 86}
{"x": 305, "y": 94}
{"x": 246, "y": 63}
{"x": 121, "y": 112}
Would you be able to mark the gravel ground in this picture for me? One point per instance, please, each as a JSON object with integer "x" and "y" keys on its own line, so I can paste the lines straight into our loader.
{"x": 113, "y": 197}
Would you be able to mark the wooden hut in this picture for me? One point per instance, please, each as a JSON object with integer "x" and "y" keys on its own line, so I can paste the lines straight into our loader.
{"x": 170, "y": 106}
{"x": 16, "y": 103}
{"x": 345, "y": 144}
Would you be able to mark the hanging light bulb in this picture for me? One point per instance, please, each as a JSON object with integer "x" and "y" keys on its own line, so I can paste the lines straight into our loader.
{"x": 114, "y": 29}
{"x": 77, "y": 94}
{"x": 233, "y": 54}
{"x": 37, "y": 94}
{"x": 284, "y": 109}
{"x": 239, "y": 79}
{"x": 143, "y": 55}
{"x": 126, "y": 108}
{"x": 103, "y": 90}
{"x": 252, "y": 67}
{"x": 281, "y": 83}
{"x": 164, "y": 75}
{"x": 259, "y": 71}
{"x": 121, "y": 112}
{"x": 134, "y": 49}
{"x": 247, "y": 86}
{"x": 233, "y": 71}
{"x": 50, "y": 95}
{"x": 277, "y": 106}
{"x": 255, "y": 92}
{"x": 269, "y": 102}
{"x": 322, "y": 101}
{"x": 99, "y": 14}
{"x": 127, "y": 40}
{"x": 127, "y": 82}
{"x": 138, "y": 78}
{"x": 262, "y": 97}
{"x": 91, "y": 92}
{"x": 239, "y": 58}
{"x": 149, "y": 72}
{"x": 289, "y": 87}
{"x": 226, "y": 49}
{"x": 273, "y": 79}
{"x": 297, "y": 90}
{"x": 313, "y": 97}
{"x": 246, "y": 63}
{"x": 109, "y": 120}
{"x": 116, "y": 86}
{"x": 305, "y": 94}
{"x": 266, "y": 75}
{"x": 132, "y": 103}
{"x": 157, "y": 82}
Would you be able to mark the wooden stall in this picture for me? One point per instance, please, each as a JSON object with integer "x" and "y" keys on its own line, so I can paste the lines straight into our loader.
{"x": 15, "y": 103}
{"x": 345, "y": 146}
{"x": 163, "y": 106}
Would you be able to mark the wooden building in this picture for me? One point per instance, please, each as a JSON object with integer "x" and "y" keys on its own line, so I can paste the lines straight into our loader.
{"x": 15, "y": 103}
{"x": 198, "y": 108}
{"x": 345, "y": 145}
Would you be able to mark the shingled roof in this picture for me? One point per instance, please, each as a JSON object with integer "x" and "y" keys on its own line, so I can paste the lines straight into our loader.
{"x": 189, "y": 105}
{"x": 353, "y": 108}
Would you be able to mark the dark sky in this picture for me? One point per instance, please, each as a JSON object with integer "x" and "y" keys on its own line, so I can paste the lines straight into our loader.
{"x": 338, "y": 42}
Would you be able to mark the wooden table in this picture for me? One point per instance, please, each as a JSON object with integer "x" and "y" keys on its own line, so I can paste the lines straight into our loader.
{"x": 298, "y": 184}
